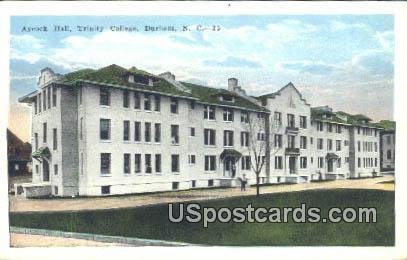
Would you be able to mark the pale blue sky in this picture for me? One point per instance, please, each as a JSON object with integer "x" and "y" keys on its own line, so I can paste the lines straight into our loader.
{"x": 342, "y": 61}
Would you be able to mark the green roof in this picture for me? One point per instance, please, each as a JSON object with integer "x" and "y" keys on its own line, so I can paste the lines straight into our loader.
{"x": 114, "y": 75}
{"x": 386, "y": 124}
{"x": 211, "y": 95}
{"x": 317, "y": 113}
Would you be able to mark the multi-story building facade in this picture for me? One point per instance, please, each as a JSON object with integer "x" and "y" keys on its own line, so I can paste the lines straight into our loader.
{"x": 387, "y": 150}
{"x": 118, "y": 131}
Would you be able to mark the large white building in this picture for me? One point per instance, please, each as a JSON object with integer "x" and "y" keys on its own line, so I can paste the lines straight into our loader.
{"x": 118, "y": 131}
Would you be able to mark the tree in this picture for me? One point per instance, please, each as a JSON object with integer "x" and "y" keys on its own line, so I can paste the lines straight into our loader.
{"x": 261, "y": 145}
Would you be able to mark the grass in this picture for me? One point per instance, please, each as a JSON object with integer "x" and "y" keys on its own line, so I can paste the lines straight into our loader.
{"x": 152, "y": 221}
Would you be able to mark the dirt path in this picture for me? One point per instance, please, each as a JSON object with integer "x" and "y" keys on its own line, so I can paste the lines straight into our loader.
{"x": 26, "y": 240}
{"x": 18, "y": 204}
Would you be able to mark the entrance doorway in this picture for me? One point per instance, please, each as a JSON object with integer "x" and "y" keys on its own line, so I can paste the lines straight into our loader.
{"x": 45, "y": 171}
{"x": 229, "y": 167}
{"x": 292, "y": 164}
{"x": 330, "y": 165}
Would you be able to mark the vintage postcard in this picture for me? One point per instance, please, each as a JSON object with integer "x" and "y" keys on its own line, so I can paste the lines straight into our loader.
{"x": 186, "y": 130}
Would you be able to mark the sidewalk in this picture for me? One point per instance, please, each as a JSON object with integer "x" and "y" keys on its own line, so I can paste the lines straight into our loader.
{"x": 19, "y": 204}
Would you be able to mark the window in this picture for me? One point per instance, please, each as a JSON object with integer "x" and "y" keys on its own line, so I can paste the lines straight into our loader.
{"x": 245, "y": 162}
{"x": 375, "y": 147}
{"x": 244, "y": 117}
{"x": 278, "y": 140}
{"x": 137, "y": 163}
{"x": 147, "y": 132}
{"x": 126, "y": 130}
{"x": 388, "y": 139}
{"x": 147, "y": 102}
{"x": 137, "y": 100}
{"x": 191, "y": 159}
{"x": 244, "y": 139}
{"x": 320, "y": 126}
{"x": 37, "y": 169}
{"x": 209, "y": 137}
{"x": 192, "y": 105}
{"x": 55, "y": 169}
{"x": 339, "y": 163}
{"x": 277, "y": 117}
{"x": 339, "y": 129}
{"x": 44, "y": 100}
{"x": 192, "y": 131}
{"x": 303, "y": 122}
{"x": 105, "y": 163}
{"x": 290, "y": 120}
{"x": 375, "y": 162}
{"x": 358, "y": 146}
{"x": 126, "y": 163}
{"x": 174, "y": 106}
{"x": 157, "y": 133}
{"x": 210, "y": 183}
{"x": 54, "y": 96}
{"x": 126, "y": 98}
{"x": 157, "y": 103}
{"x": 36, "y": 141}
{"x": 54, "y": 139}
{"x": 81, "y": 129}
{"x": 56, "y": 190}
{"x": 137, "y": 131}
{"x": 359, "y": 162}
{"x": 147, "y": 162}
{"x": 104, "y": 97}
{"x": 303, "y": 162}
{"x": 49, "y": 97}
{"x": 44, "y": 132}
{"x": 346, "y": 159}
{"x": 320, "y": 162}
{"x": 105, "y": 190}
{"x": 320, "y": 143}
{"x": 193, "y": 183}
{"x": 346, "y": 143}
{"x": 311, "y": 140}
{"x": 329, "y": 144}
{"x": 209, "y": 112}
{"x": 39, "y": 103}
{"x": 303, "y": 142}
{"x": 227, "y": 114}
{"x": 35, "y": 106}
{"x": 227, "y": 138}
{"x": 338, "y": 145}
{"x": 158, "y": 163}
{"x": 174, "y": 134}
{"x": 388, "y": 154}
{"x": 278, "y": 162}
{"x": 79, "y": 94}
{"x": 104, "y": 129}
{"x": 175, "y": 163}
{"x": 261, "y": 136}
{"x": 291, "y": 141}
{"x": 175, "y": 185}
{"x": 210, "y": 163}
{"x": 329, "y": 127}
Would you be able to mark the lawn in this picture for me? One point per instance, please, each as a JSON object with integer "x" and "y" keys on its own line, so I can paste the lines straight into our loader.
{"x": 152, "y": 221}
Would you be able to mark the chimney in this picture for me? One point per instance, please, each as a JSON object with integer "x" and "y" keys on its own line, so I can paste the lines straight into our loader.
{"x": 232, "y": 84}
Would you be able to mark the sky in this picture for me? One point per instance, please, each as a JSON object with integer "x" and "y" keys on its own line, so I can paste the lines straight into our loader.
{"x": 345, "y": 62}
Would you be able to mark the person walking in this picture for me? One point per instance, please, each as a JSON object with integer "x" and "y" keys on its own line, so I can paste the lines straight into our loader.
{"x": 243, "y": 183}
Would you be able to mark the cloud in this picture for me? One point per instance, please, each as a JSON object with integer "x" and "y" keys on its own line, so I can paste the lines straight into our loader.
{"x": 233, "y": 62}
{"x": 386, "y": 39}
{"x": 317, "y": 68}
{"x": 341, "y": 26}
{"x": 376, "y": 63}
